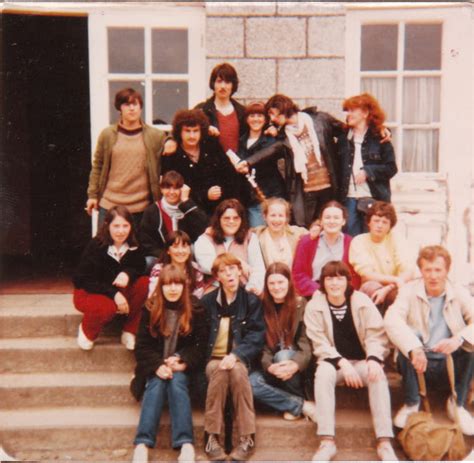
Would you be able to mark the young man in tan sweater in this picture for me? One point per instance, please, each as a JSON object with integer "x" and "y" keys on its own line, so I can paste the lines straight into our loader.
{"x": 126, "y": 165}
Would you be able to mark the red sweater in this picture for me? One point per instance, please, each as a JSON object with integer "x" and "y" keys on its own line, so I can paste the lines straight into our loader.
{"x": 303, "y": 265}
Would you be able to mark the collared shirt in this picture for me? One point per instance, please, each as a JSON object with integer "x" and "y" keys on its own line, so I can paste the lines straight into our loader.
{"x": 117, "y": 254}
{"x": 326, "y": 252}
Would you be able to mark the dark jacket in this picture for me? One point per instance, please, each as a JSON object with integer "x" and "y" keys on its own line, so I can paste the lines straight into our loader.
{"x": 149, "y": 350}
{"x": 213, "y": 168}
{"x": 379, "y": 164}
{"x": 300, "y": 343}
{"x": 327, "y": 129}
{"x": 97, "y": 270}
{"x": 247, "y": 327}
{"x": 267, "y": 174}
{"x": 154, "y": 228}
{"x": 210, "y": 111}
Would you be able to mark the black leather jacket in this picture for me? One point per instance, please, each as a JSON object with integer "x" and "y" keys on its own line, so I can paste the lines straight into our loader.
{"x": 327, "y": 128}
{"x": 378, "y": 161}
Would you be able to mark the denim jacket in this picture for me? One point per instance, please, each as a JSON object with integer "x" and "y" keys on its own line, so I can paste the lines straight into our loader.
{"x": 378, "y": 161}
{"x": 247, "y": 326}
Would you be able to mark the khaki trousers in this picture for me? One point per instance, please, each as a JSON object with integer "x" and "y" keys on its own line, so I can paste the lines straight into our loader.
{"x": 220, "y": 381}
{"x": 326, "y": 379}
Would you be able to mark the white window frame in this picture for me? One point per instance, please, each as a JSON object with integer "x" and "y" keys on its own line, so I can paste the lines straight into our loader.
{"x": 149, "y": 17}
{"x": 358, "y": 15}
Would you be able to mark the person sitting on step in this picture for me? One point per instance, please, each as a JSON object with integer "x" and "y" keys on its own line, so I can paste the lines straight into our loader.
{"x": 349, "y": 340}
{"x": 171, "y": 341}
{"x": 110, "y": 279}
{"x": 237, "y": 333}
{"x": 430, "y": 319}
{"x": 278, "y": 382}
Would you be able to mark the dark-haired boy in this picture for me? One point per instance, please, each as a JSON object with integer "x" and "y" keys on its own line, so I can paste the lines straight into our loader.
{"x": 126, "y": 165}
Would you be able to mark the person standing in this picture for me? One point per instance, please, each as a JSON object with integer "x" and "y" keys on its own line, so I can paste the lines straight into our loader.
{"x": 126, "y": 165}
{"x": 366, "y": 164}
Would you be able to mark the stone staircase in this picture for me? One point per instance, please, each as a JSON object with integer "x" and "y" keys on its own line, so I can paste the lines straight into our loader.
{"x": 61, "y": 403}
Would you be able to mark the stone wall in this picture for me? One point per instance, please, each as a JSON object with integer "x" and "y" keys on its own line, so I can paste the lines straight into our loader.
{"x": 281, "y": 47}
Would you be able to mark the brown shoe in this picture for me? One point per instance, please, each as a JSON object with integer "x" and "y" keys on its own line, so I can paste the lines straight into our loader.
{"x": 213, "y": 449}
{"x": 245, "y": 448}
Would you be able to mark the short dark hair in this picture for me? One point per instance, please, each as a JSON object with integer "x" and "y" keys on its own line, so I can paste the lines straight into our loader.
{"x": 284, "y": 104}
{"x": 189, "y": 118}
{"x": 430, "y": 253}
{"x": 336, "y": 268}
{"x": 217, "y": 232}
{"x": 172, "y": 179}
{"x": 383, "y": 209}
{"x": 103, "y": 235}
{"x": 227, "y": 73}
{"x": 127, "y": 95}
{"x": 336, "y": 204}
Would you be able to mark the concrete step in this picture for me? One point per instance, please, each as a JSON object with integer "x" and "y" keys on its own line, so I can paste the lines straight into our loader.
{"x": 61, "y": 354}
{"x": 40, "y": 315}
{"x": 65, "y": 389}
{"x": 108, "y": 428}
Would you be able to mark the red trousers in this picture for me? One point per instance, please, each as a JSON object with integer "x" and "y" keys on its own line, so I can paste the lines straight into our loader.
{"x": 99, "y": 309}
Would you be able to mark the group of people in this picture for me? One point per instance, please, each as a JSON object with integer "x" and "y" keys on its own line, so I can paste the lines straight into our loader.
{"x": 255, "y": 245}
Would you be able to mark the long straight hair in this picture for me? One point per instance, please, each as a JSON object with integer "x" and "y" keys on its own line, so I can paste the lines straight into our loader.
{"x": 157, "y": 303}
{"x": 285, "y": 319}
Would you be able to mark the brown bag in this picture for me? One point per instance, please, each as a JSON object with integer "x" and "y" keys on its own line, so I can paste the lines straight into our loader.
{"x": 422, "y": 439}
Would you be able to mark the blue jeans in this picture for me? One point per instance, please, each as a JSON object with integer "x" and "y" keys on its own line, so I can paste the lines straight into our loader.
{"x": 284, "y": 396}
{"x": 156, "y": 392}
{"x": 436, "y": 373}
{"x": 356, "y": 223}
{"x": 255, "y": 216}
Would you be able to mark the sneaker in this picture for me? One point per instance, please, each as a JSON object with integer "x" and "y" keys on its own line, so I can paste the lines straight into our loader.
{"x": 4, "y": 456}
{"x": 401, "y": 417}
{"x": 385, "y": 452}
{"x": 83, "y": 341}
{"x": 245, "y": 448}
{"x": 326, "y": 452}
{"x": 290, "y": 417}
{"x": 187, "y": 453}
{"x": 140, "y": 454}
{"x": 466, "y": 422}
{"x": 128, "y": 340}
{"x": 213, "y": 449}
{"x": 309, "y": 410}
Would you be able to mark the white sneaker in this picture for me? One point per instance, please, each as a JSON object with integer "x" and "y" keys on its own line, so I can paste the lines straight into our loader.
{"x": 83, "y": 341}
{"x": 140, "y": 454}
{"x": 290, "y": 417}
{"x": 401, "y": 417}
{"x": 128, "y": 340}
{"x": 326, "y": 452}
{"x": 466, "y": 422}
{"x": 4, "y": 456}
{"x": 187, "y": 453}
{"x": 309, "y": 410}
{"x": 386, "y": 453}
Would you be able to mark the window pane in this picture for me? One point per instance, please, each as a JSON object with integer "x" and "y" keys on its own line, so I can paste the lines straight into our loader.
{"x": 420, "y": 150}
{"x": 170, "y": 51}
{"x": 385, "y": 90}
{"x": 168, "y": 97}
{"x": 379, "y": 47}
{"x": 423, "y": 46}
{"x": 421, "y": 100}
{"x": 115, "y": 86}
{"x": 126, "y": 49}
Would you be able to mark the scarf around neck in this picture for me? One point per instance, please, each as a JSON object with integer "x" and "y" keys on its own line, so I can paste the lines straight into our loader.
{"x": 173, "y": 211}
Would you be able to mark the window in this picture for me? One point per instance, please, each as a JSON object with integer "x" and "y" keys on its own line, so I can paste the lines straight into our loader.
{"x": 400, "y": 64}
{"x": 159, "y": 51}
